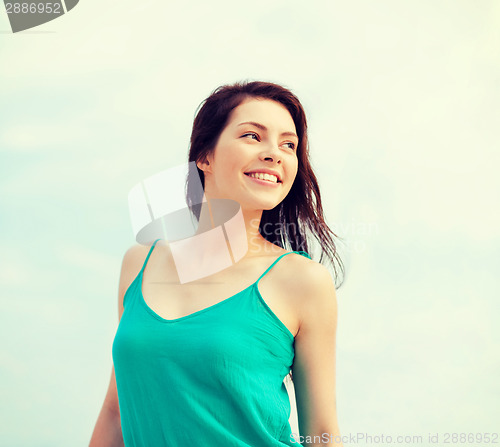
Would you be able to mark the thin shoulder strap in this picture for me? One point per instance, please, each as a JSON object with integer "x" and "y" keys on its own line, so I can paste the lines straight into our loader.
{"x": 303, "y": 253}
{"x": 149, "y": 254}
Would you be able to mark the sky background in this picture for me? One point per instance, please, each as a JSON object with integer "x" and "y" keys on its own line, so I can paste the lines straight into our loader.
{"x": 402, "y": 100}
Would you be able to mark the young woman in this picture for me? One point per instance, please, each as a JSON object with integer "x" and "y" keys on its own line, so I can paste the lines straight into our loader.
{"x": 203, "y": 363}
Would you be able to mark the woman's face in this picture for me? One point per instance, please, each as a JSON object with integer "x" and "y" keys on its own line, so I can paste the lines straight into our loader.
{"x": 260, "y": 134}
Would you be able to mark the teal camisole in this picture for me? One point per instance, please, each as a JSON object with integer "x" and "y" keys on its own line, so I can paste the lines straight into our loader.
{"x": 213, "y": 378}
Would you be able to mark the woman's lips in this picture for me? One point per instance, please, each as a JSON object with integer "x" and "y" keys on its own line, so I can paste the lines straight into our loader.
{"x": 263, "y": 182}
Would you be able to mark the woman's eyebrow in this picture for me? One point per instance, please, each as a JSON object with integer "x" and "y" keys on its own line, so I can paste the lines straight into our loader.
{"x": 261, "y": 126}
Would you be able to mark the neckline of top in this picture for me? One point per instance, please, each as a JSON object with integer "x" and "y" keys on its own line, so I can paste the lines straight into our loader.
{"x": 193, "y": 314}
{"x": 206, "y": 309}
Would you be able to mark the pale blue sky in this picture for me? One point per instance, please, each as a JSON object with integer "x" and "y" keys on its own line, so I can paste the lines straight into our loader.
{"x": 402, "y": 100}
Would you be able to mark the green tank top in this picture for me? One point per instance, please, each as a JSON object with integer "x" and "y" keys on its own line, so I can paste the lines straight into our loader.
{"x": 213, "y": 378}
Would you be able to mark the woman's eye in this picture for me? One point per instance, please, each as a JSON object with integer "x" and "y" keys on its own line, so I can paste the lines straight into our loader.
{"x": 252, "y": 135}
{"x": 256, "y": 137}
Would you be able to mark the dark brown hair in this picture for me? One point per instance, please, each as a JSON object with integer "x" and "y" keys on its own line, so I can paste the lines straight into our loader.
{"x": 286, "y": 224}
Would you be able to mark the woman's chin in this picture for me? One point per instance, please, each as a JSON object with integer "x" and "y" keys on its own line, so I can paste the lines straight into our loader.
{"x": 258, "y": 204}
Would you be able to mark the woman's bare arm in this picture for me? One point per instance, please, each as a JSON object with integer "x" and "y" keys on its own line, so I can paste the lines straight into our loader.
{"x": 314, "y": 364}
{"x": 108, "y": 431}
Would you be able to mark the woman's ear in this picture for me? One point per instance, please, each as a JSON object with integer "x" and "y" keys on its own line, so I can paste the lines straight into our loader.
{"x": 204, "y": 165}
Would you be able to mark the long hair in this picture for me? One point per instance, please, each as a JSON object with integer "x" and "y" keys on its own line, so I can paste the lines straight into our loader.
{"x": 287, "y": 224}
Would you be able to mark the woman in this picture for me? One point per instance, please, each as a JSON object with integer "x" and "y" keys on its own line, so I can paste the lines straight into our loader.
{"x": 194, "y": 367}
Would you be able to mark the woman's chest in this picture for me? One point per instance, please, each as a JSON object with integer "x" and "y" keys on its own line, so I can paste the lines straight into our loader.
{"x": 171, "y": 301}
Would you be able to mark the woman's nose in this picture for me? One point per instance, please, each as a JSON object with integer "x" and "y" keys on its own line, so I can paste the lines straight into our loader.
{"x": 272, "y": 151}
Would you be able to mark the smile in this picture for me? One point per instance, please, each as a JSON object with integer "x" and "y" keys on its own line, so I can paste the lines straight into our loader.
{"x": 262, "y": 181}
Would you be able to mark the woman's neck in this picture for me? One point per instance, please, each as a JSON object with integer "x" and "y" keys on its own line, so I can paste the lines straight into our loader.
{"x": 233, "y": 227}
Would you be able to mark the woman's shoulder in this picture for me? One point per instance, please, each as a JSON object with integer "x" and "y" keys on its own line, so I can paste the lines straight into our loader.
{"x": 292, "y": 263}
{"x": 136, "y": 252}
{"x": 135, "y": 255}
{"x": 142, "y": 250}
{"x": 132, "y": 262}
{"x": 300, "y": 272}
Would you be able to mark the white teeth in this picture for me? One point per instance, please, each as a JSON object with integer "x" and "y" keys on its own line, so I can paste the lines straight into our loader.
{"x": 262, "y": 176}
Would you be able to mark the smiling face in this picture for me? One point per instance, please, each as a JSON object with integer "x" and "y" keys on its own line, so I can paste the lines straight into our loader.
{"x": 260, "y": 135}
